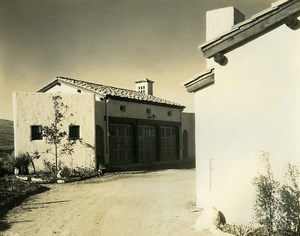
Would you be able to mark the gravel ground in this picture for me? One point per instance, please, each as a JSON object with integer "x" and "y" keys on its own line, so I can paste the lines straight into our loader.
{"x": 151, "y": 203}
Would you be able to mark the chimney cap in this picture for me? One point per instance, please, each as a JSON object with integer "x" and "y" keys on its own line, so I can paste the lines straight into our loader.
{"x": 144, "y": 80}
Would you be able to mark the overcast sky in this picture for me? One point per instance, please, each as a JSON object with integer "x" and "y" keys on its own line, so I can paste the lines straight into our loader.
{"x": 111, "y": 42}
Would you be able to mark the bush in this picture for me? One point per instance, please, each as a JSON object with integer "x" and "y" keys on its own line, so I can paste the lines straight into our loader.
{"x": 289, "y": 205}
{"x": 7, "y": 165}
{"x": 65, "y": 172}
{"x": 22, "y": 162}
{"x": 49, "y": 167}
{"x": 277, "y": 206}
{"x": 266, "y": 202}
{"x": 240, "y": 230}
{"x": 13, "y": 189}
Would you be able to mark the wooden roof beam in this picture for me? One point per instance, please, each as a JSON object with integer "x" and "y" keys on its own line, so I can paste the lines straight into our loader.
{"x": 243, "y": 33}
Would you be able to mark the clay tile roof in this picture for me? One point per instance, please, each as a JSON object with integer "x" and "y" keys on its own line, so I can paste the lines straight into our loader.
{"x": 113, "y": 92}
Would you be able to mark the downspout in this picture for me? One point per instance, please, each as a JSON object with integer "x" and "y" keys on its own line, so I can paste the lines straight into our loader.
{"x": 106, "y": 100}
{"x": 180, "y": 137}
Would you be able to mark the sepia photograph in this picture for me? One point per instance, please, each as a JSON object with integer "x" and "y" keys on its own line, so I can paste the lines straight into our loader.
{"x": 149, "y": 117}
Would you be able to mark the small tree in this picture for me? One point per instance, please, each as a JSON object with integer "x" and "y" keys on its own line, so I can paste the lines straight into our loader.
{"x": 54, "y": 133}
{"x": 266, "y": 201}
{"x": 289, "y": 205}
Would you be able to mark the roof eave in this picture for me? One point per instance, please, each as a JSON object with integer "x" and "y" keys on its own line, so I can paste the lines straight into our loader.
{"x": 178, "y": 106}
{"x": 201, "y": 81}
{"x": 49, "y": 86}
{"x": 252, "y": 29}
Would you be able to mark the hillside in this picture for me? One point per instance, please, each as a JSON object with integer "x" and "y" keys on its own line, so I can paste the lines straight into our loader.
{"x": 6, "y": 134}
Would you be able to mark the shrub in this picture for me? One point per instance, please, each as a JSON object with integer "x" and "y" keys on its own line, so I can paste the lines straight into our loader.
{"x": 22, "y": 162}
{"x": 49, "y": 167}
{"x": 289, "y": 205}
{"x": 7, "y": 164}
{"x": 65, "y": 172}
{"x": 277, "y": 206}
{"x": 240, "y": 230}
{"x": 266, "y": 201}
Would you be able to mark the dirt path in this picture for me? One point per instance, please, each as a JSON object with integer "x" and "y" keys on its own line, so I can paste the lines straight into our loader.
{"x": 154, "y": 203}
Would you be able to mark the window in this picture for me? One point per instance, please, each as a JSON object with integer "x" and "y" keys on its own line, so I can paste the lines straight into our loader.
{"x": 123, "y": 108}
{"x": 74, "y": 132}
{"x": 148, "y": 111}
{"x": 36, "y": 132}
{"x": 169, "y": 113}
{"x": 142, "y": 89}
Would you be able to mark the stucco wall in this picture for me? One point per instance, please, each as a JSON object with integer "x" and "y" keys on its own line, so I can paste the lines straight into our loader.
{"x": 252, "y": 107}
{"x": 188, "y": 124}
{"x": 37, "y": 109}
{"x": 138, "y": 111}
{"x": 106, "y": 108}
{"x": 133, "y": 109}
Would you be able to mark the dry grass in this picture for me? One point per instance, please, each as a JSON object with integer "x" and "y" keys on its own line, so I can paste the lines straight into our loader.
{"x": 6, "y": 135}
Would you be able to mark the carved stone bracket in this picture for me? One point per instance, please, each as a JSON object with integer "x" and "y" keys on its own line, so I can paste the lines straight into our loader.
{"x": 292, "y": 22}
{"x": 220, "y": 59}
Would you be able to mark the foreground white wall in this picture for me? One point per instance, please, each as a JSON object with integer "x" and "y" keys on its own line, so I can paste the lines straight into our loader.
{"x": 252, "y": 107}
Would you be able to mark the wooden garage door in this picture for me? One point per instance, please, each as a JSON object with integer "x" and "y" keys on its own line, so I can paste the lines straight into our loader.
{"x": 147, "y": 144}
{"x": 121, "y": 143}
{"x": 168, "y": 141}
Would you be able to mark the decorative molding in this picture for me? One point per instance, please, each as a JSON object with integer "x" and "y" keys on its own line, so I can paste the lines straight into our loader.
{"x": 292, "y": 22}
{"x": 260, "y": 24}
{"x": 220, "y": 59}
{"x": 200, "y": 82}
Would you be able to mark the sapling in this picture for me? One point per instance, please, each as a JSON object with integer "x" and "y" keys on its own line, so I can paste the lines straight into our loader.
{"x": 266, "y": 201}
{"x": 54, "y": 133}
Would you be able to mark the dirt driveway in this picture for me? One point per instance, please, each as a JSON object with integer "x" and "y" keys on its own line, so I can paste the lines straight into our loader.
{"x": 153, "y": 203}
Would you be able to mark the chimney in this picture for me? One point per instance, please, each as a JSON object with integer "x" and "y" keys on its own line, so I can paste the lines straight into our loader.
{"x": 144, "y": 86}
{"x": 219, "y": 21}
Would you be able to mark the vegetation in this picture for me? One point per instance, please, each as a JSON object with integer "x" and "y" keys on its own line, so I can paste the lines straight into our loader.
{"x": 55, "y": 135}
{"x": 288, "y": 204}
{"x": 6, "y": 137}
{"x": 9, "y": 162}
{"x": 241, "y": 230}
{"x": 266, "y": 202}
{"x": 12, "y": 189}
{"x": 276, "y": 207}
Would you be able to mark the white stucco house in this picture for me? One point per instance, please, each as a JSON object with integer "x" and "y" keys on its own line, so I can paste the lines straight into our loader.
{"x": 118, "y": 127}
{"x": 246, "y": 102}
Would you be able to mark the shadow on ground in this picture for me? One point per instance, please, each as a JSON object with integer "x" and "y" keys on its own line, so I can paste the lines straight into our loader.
{"x": 16, "y": 202}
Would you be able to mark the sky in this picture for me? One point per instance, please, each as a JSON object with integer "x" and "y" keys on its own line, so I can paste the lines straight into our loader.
{"x": 110, "y": 42}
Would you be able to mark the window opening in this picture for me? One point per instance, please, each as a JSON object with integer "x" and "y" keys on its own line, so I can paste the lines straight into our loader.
{"x": 36, "y": 132}
{"x": 123, "y": 108}
{"x": 74, "y": 132}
